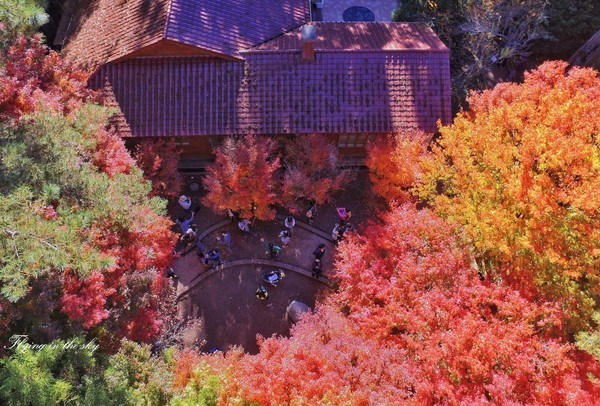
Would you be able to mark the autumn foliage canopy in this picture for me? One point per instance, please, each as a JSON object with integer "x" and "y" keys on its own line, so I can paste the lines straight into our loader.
{"x": 32, "y": 78}
{"x": 244, "y": 176}
{"x": 521, "y": 174}
{"x": 311, "y": 171}
{"x": 158, "y": 159}
{"x": 394, "y": 163}
{"x": 412, "y": 323}
{"x": 76, "y": 212}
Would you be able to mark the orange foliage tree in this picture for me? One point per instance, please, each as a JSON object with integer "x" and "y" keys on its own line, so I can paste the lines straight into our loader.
{"x": 521, "y": 174}
{"x": 412, "y": 323}
{"x": 311, "y": 171}
{"x": 408, "y": 283}
{"x": 158, "y": 158}
{"x": 394, "y": 163}
{"x": 244, "y": 177}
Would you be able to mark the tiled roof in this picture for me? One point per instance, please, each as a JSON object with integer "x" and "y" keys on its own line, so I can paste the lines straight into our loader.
{"x": 95, "y": 32}
{"x": 279, "y": 93}
{"x": 228, "y": 27}
{"x": 362, "y": 36}
{"x": 347, "y": 92}
{"x": 174, "y": 96}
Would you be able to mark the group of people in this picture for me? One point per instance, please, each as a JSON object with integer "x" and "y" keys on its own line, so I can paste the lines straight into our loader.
{"x": 337, "y": 234}
{"x": 273, "y": 278}
{"x": 190, "y": 237}
{"x": 188, "y": 229}
{"x": 213, "y": 257}
{"x": 242, "y": 223}
{"x": 285, "y": 235}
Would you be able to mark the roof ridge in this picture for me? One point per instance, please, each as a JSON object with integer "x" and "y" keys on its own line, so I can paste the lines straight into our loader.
{"x": 377, "y": 36}
{"x": 272, "y": 38}
{"x": 168, "y": 19}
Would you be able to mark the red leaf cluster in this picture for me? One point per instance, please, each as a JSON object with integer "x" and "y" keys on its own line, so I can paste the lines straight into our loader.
{"x": 145, "y": 244}
{"x": 110, "y": 155}
{"x": 312, "y": 172}
{"x": 243, "y": 177}
{"x": 85, "y": 299}
{"x": 158, "y": 158}
{"x": 33, "y": 77}
{"x": 472, "y": 339}
{"x": 394, "y": 163}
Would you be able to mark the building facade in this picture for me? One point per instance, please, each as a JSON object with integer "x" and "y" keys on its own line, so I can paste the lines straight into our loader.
{"x": 200, "y": 72}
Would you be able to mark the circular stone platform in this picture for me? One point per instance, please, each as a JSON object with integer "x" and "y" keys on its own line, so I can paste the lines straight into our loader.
{"x": 232, "y": 315}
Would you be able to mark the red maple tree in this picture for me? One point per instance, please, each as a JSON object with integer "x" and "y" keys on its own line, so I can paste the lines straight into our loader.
{"x": 158, "y": 158}
{"x": 311, "y": 171}
{"x": 32, "y": 77}
{"x": 244, "y": 177}
{"x": 407, "y": 282}
{"x": 326, "y": 360}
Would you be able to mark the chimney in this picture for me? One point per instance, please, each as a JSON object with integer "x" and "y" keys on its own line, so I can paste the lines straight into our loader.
{"x": 309, "y": 37}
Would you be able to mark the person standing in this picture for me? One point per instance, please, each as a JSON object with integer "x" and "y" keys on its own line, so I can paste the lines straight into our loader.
{"x": 171, "y": 273}
{"x": 345, "y": 214}
{"x": 317, "y": 268}
{"x": 289, "y": 223}
{"x": 203, "y": 260}
{"x": 335, "y": 234}
{"x": 311, "y": 212}
{"x": 184, "y": 224}
{"x": 189, "y": 237}
{"x": 233, "y": 216}
{"x": 214, "y": 256}
{"x": 285, "y": 238}
{"x": 319, "y": 252}
{"x": 244, "y": 225}
{"x": 185, "y": 202}
{"x": 274, "y": 251}
{"x": 225, "y": 239}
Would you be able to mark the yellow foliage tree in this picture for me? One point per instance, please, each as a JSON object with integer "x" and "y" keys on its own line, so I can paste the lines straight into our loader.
{"x": 520, "y": 173}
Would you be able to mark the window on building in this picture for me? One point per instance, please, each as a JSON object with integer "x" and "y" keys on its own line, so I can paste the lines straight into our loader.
{"x": 352, "y": 140}
{"x": 358, "y": 13}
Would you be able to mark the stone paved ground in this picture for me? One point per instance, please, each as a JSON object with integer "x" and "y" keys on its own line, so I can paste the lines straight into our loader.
{"x": 231, "y": 314}
{"x": 224, "y": 299}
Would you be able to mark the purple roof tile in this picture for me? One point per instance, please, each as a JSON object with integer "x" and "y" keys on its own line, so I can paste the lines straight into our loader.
{"x": 361, "y": 36}
{"x": 95, "y": 32}
{"x": 228, "y": 27}
{"x": 279, "y": 93}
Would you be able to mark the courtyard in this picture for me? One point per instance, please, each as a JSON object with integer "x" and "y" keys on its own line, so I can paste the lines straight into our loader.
{"x": 223, "y": 299}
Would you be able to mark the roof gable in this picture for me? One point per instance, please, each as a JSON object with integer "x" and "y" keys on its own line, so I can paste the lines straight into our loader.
{"x": 95, "y": 32}
{"x": 229, "y": 28}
